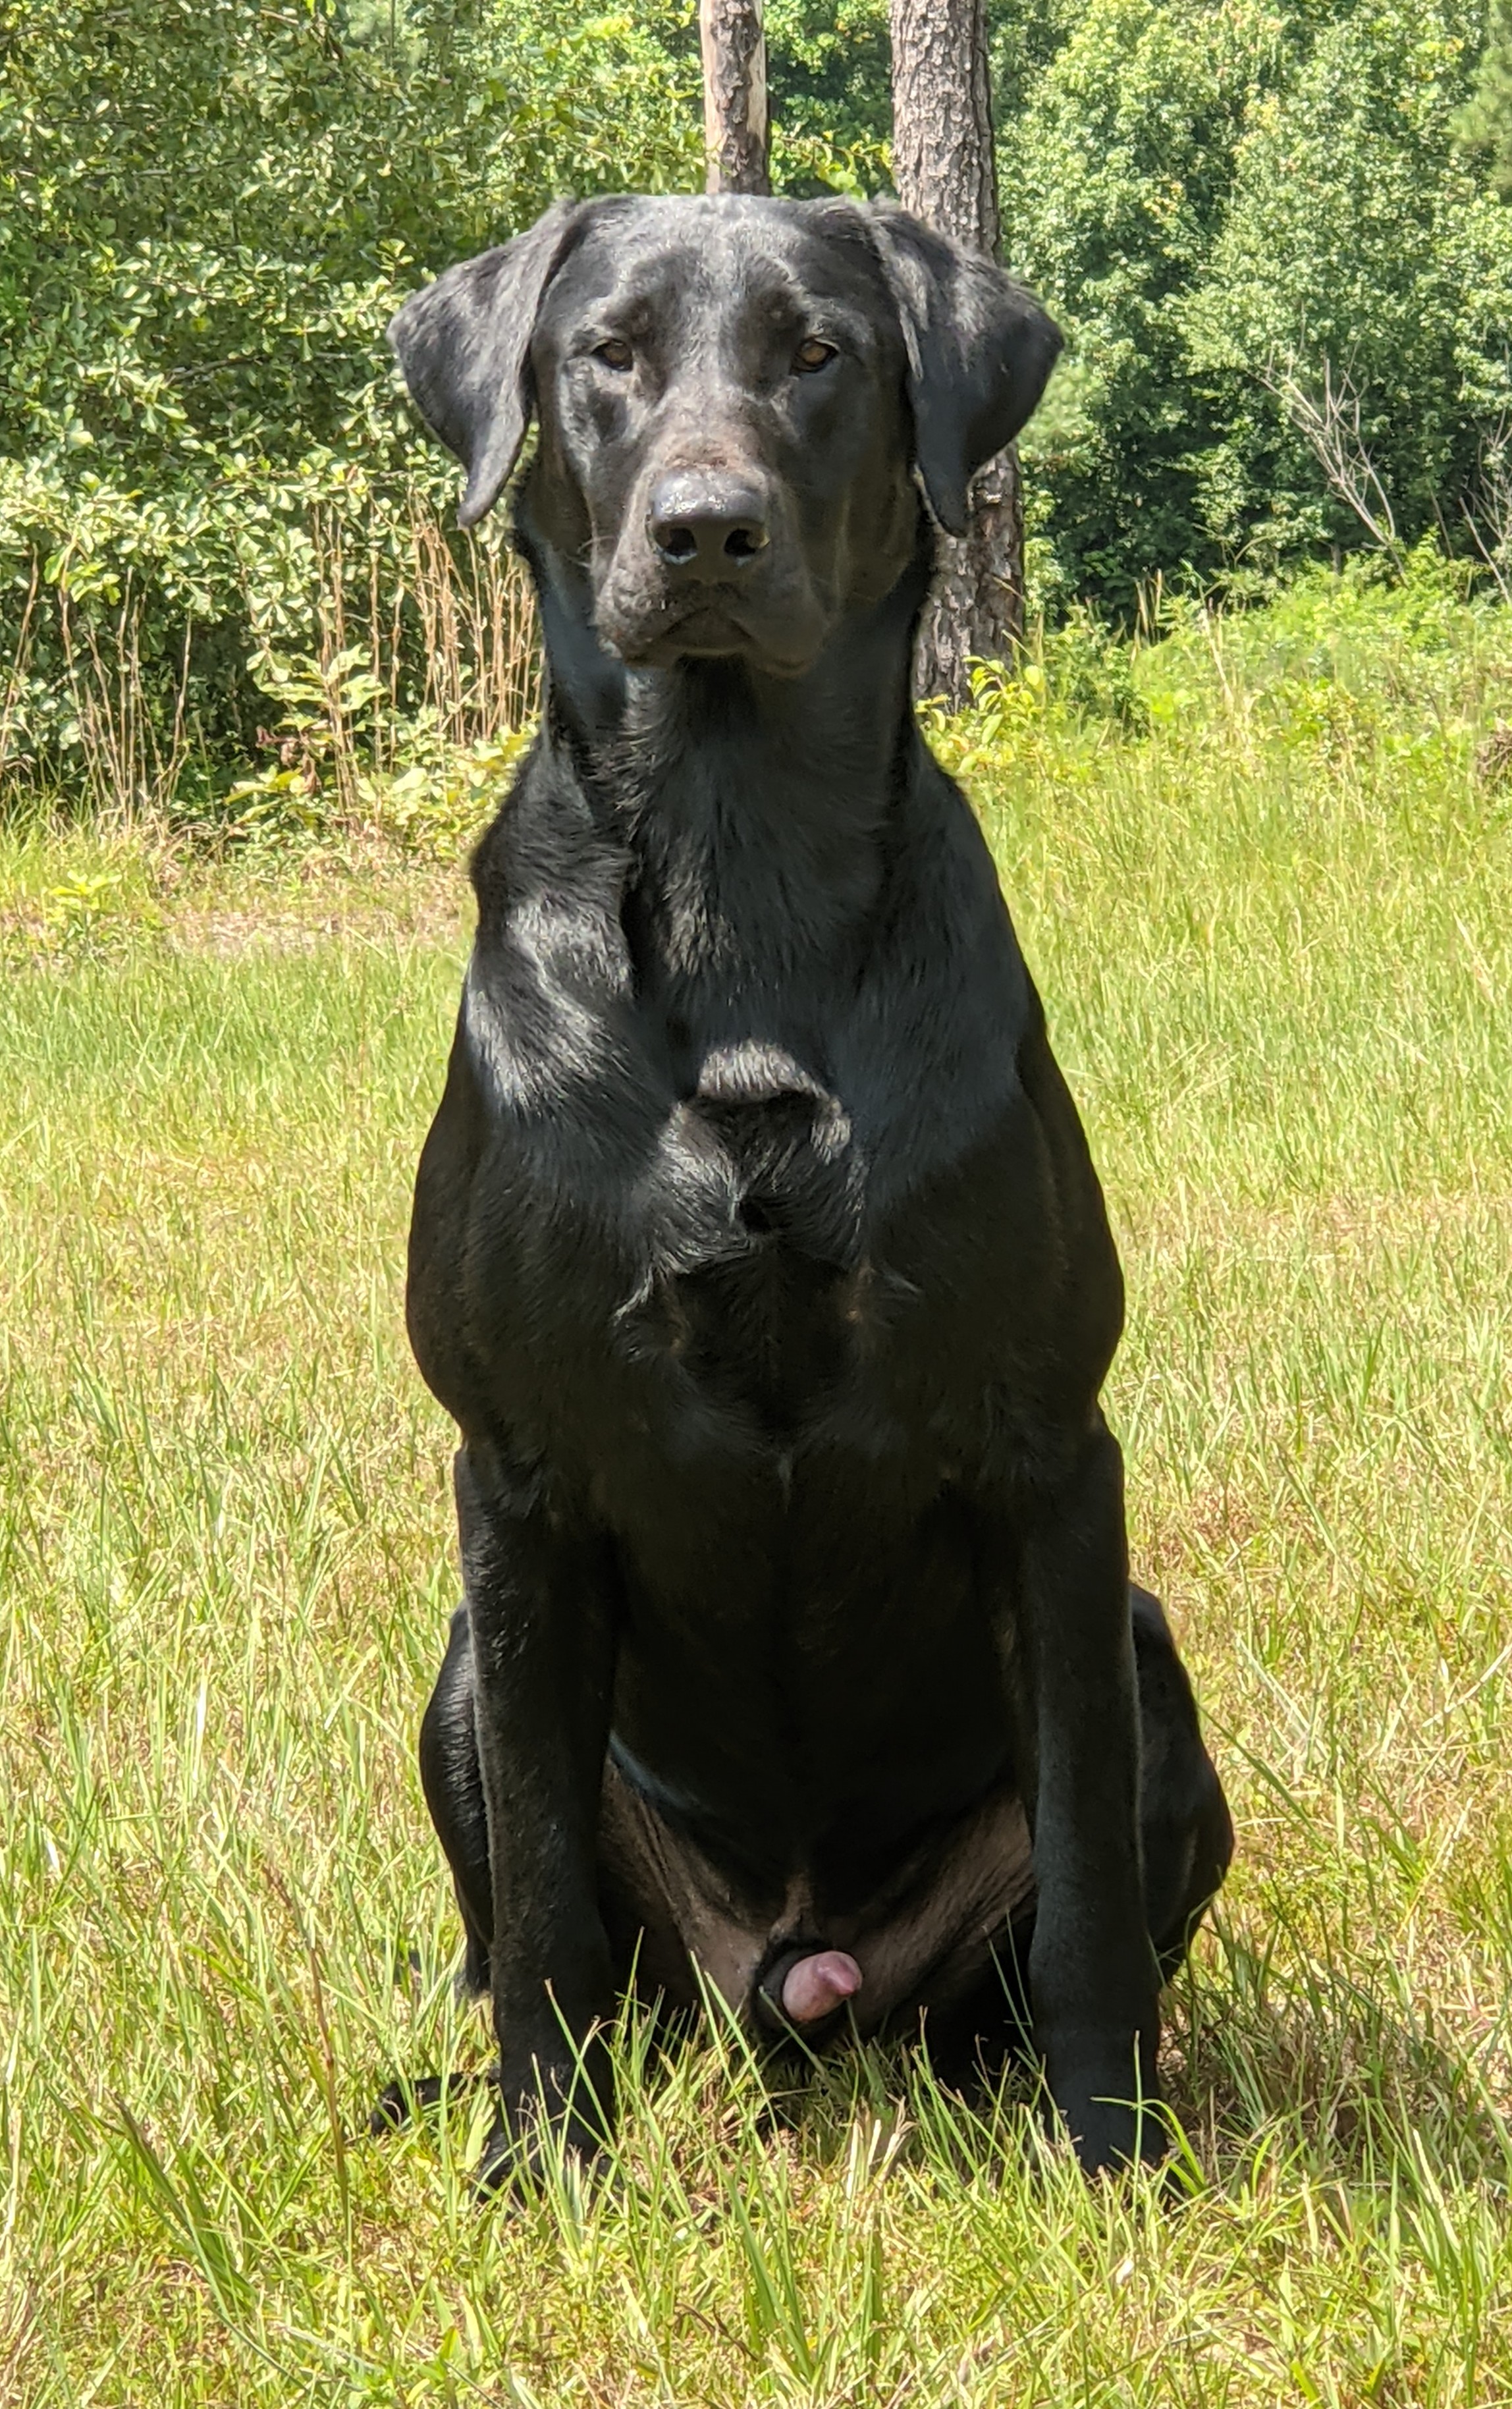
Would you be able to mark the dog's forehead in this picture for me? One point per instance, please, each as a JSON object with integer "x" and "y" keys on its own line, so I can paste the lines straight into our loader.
{"x": 688, "y": 257}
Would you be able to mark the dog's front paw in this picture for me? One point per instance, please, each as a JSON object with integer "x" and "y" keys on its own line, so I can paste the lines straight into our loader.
{"x": 555, "y": 2122}
{"x": 517, "y": 2162}
{"x": 1113, "y": 2111}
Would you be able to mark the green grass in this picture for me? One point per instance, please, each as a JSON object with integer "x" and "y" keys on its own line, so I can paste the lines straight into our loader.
{"x": 1275, "y": 938}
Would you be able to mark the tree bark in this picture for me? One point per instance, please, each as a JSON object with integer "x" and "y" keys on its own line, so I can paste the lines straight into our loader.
{"x": 734, "y": 49}
{"x": 945, "y": 168}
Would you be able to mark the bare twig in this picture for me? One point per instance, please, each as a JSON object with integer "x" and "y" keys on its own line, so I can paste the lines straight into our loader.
{"x": 13, "y": 722}
{"x": 414, "y": 641}
{"x": 1489, "y": 514}
{"x": 1329, "y": 424}
{"x": 128, "y": 771}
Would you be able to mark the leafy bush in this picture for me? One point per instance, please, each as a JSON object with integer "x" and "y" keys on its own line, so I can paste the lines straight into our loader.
{"x": 1217, "y": 198}
{"x": 1355, "y": 235}
{"x": 209, "y": 485}
{"x": 1485, "y": 123}
{"x": 208, "y": 210}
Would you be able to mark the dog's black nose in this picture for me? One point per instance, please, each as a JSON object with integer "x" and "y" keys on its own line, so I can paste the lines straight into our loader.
{"x": 705, "y": 523}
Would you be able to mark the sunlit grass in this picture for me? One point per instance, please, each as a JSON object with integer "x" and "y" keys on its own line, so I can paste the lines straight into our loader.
{"x": 1276, "y": 951}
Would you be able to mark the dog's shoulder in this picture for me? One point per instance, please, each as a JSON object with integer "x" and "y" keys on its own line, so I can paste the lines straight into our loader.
{"x": 945, "y": 1001}
{"x": 947, "y": 925}
{"x": 549, "y": 983}
{"x": 546, "y": 859}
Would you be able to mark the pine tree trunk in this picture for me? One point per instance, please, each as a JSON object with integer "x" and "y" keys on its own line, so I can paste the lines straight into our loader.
{"x": 945, "y": 171}
{"x": 734, "y": 50}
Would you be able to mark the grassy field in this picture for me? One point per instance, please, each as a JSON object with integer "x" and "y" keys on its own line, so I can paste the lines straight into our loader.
{"x": 1269, "y": 906}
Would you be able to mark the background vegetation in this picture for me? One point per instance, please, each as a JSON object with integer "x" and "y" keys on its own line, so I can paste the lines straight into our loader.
{"x": 1261, "y": 869}
{"x": 214, "y": 507}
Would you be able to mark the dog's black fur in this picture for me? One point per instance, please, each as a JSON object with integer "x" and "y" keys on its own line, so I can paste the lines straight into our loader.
{"x": 756, "y": 1247}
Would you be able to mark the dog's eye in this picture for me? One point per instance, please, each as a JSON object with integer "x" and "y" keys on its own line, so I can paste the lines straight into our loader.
{"x": 813, "y": 355}
{"x": 615, "y": 354}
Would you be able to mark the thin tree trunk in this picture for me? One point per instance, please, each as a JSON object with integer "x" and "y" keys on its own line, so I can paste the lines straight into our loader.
{"x": 944, "y": 169}
{"x": 734, "y": 50}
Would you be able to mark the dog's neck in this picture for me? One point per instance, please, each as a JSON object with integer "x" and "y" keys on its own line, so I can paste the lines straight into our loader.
{"x": 754, "y": 807}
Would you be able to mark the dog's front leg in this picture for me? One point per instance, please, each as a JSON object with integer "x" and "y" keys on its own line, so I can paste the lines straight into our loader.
{"x": 1094, "y": 1985}
{"x": 541, "y": 1618}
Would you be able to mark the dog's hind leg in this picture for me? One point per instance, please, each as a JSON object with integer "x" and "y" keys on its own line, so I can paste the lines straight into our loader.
{"x": 1185, "y": 1842}
{"x": 452, "y": 1783}
{"x": 454, "y": 1794}
{"x": 1187, "y": 1837}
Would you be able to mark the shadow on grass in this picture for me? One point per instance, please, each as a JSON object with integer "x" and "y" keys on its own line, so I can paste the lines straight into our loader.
{"x": 1276, "y": 2050}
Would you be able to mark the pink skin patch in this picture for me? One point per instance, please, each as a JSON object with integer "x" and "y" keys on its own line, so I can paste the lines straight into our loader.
{"x": 813, "y": 1985}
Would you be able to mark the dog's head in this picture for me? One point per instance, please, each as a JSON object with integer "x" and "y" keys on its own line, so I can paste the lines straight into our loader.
{"x": 733, "y": 396}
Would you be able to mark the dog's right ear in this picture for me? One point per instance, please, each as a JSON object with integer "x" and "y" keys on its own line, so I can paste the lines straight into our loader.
{"x": 464, "y": 348}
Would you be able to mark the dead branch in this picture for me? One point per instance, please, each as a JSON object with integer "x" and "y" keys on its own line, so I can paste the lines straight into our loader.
{"x": 1329, "y": 424}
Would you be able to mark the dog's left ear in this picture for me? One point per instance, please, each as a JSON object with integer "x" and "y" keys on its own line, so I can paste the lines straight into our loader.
{"x": 979, "y": 350}
{"x": 464, "y": 347}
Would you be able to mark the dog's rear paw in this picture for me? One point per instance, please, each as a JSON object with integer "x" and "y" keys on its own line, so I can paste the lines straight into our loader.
{"x": 402, "y": 2101}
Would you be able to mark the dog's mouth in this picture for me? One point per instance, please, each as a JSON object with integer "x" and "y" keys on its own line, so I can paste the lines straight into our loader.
{"x": 706, "y": 627}
{"x": 707, "y": 631}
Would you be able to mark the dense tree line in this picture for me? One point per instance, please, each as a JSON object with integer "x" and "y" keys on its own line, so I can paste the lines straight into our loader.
{"x": 207, "y": 209}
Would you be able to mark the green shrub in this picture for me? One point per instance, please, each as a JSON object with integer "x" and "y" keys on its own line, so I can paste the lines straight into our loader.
{"x": 208, "y": 210}
{"x": 1215, "y": 200}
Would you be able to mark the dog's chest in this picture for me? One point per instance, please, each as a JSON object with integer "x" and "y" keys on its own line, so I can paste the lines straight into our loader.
{"x": 753, "y": 1231}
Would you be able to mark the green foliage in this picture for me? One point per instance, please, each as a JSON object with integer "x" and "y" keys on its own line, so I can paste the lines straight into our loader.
{"x": 1213, "y": 199}
{"x": 1122, "y": 160}
{"x": 827, "y": 74}
{"x": 1485, "y": 123}
{"x": 209, "y": 208}
{"x": 1355, "y": 235}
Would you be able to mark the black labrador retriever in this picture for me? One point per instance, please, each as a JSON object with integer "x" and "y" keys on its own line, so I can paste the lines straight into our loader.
{"x": 756, "y": 1247}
